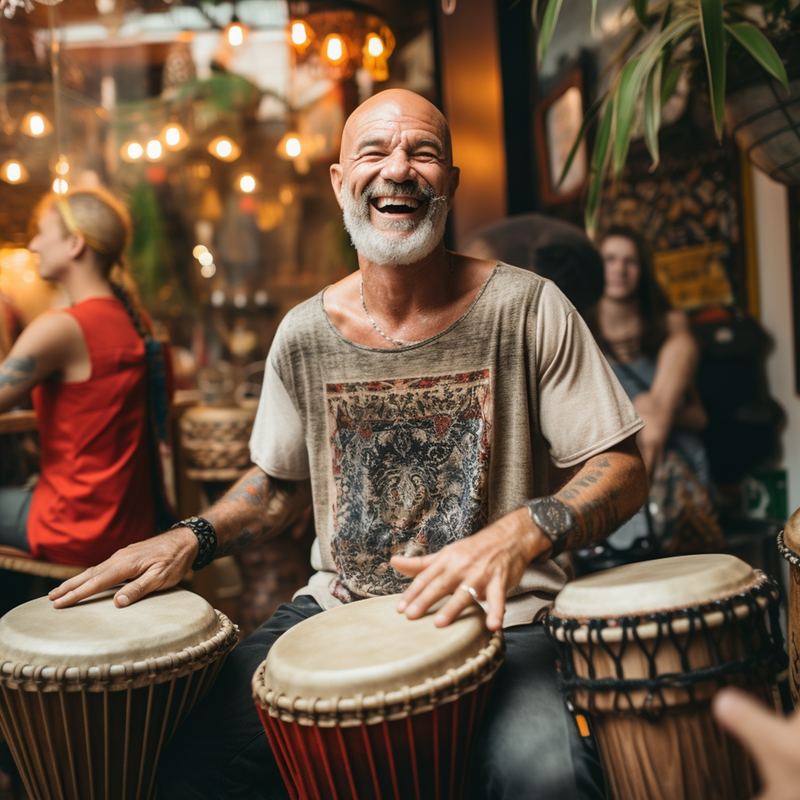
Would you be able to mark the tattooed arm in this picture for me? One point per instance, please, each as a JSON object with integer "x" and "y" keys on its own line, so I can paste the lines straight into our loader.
{"x": 605, "y": 491}
{"x": 257, "y": 507}
{"x": 50, "y": 346}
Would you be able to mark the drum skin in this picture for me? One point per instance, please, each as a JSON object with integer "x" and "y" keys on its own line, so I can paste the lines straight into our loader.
{"x": 360, "y": 702}
{"x": 90, "y": 695}
{"x": 674, "y": 617}
{"x": 789, "y": 546}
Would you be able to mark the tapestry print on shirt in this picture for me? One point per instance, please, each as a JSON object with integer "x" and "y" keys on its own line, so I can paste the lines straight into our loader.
{"x": 410, "y": 468}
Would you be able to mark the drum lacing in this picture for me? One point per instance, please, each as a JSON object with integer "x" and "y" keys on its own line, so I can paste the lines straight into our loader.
{"x": 763, "y": 648}
{"x": 787, "y": 552}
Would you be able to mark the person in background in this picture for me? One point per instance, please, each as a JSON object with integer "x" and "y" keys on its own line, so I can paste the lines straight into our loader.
{"x": 773, "y": 741}
{"x": 87, "y": 369}
{"x": 653, "y": 353}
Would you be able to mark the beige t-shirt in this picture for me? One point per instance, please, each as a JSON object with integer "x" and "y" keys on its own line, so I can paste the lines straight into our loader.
{"x": 413, "y": 448}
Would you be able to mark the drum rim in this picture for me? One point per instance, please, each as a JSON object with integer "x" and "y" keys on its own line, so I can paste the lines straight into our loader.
{"x": 790, "y": 555}
{"x": 580, "y": 628}
{"x": 124, "y": 675}
{"x": 384, "y": 706}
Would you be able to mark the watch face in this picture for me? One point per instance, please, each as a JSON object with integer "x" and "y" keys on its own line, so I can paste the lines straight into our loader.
{"x": 552, "y": 516}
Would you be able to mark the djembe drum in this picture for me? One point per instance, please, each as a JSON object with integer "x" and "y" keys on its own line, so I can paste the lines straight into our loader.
{"x": 360, "y": 703}
{"x": 789, "y": 547}
{"x": 644, "y": 647}
{"x": 89, "y": 695}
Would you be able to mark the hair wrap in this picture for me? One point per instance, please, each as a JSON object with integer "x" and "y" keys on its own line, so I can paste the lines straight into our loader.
{"x": 72, "y": 226}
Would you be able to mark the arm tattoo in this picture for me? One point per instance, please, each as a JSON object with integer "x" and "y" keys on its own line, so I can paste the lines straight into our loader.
{"x": 14, "y": 371}
{"x": 255, "y": 508}
{"x": 596, "y": 518}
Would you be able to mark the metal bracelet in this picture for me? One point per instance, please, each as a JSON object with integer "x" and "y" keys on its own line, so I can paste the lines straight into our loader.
{"x": 206, "y": 539}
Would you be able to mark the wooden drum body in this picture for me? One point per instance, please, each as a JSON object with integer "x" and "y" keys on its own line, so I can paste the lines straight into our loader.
{"x": 789, "y": 546}
{"x": 89, "y": 695}
{"x": 643, "y": 649}
{"x": 216, "y": 441}
{"x": 360, "y": 703}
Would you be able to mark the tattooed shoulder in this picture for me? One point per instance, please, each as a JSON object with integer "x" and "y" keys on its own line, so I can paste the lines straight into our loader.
{"x": 15, "y": 371}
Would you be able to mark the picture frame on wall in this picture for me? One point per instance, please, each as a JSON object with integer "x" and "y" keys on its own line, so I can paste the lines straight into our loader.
{"x": 557, "y": 121}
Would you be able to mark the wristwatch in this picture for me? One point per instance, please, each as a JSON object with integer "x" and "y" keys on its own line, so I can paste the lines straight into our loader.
{"x": 554, "y": 519}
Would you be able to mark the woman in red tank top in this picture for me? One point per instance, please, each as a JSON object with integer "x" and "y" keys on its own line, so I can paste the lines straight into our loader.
{"x": 87, "y": 367}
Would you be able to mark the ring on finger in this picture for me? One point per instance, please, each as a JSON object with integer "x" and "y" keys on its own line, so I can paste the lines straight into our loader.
{"x": 471, "y": 591}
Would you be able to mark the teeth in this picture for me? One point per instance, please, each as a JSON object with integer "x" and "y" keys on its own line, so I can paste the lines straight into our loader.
{"x": 411, "y": 202}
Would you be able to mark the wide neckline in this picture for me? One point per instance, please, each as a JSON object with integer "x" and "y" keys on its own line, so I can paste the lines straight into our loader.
{"x": 414, "y": 345}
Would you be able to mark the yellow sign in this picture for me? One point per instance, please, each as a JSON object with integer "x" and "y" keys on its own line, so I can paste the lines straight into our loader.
{"x": 693, "y": 277}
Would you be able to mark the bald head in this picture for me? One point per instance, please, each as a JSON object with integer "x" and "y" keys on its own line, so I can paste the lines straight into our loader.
{"x": 399, "y": 105}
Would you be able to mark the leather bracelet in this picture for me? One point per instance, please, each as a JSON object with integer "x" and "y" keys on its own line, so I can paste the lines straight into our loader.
{"x": 206, "y": 539}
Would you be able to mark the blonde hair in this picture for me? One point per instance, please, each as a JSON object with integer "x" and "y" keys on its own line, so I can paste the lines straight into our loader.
{"x": 105, "y": 225}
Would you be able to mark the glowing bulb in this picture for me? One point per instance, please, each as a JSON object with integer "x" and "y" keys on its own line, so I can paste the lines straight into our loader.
{"x": 60, "y": 186}
{"x": 374, "y": 45}
{"x": 293, "y": 147}
{"x": 199, "y": 250}
{"x": 135, "y": 150}
{"x": 299, "y": 35}
{"x": 205, "y": 259}
{"x": 208, "y": 270}
{"x": 335, "y": 49}
{"x": 235, "y": 34}
{"x": 224, "y": 148}
{"x": 240, "y": 300}
{"x": 62, "y": 167}
{"x": 172, "y": 136}
{"x": 247, "y": 183}
{"x": 217, "y": 298}
{"x": 13, "y": 172}
{"x": 154, "y": 149}
{"x": 37, "y": 125}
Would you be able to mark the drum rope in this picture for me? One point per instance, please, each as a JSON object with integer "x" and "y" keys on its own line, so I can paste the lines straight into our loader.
{"x": 763, "y": 649}
{"x": 789, "y": 554}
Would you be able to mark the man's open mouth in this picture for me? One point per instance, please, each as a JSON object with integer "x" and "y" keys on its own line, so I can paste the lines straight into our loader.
{"x": 399, "y": 204}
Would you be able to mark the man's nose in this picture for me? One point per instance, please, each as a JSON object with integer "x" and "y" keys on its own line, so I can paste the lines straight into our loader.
{"x": 397, "y": 167}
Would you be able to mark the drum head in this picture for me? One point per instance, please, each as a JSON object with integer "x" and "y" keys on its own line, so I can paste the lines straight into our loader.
{"x": 95, "y": 632}
{"x": 663, "y": 585}
{"x": 791, "y": 534}
{"x": 367, "y": 648}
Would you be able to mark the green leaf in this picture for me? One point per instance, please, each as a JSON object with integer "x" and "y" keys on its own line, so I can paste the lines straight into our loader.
{"x": 760, "y": 48}
{"x": 652, "y": 110}
{"x": 625, "y": 98}
{"x": 594, "y": 16}
{"x": 640, "y": 7}
{"x": 671, "y": 82}
{"x": 597, "y": 170}
{"x": 588, "y": 117}
{"x": 713, "y": 32}
{"x": 548, "y": 26}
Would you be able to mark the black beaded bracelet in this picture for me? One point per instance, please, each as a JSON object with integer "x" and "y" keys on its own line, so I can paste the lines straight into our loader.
{"x": 206, "y": 539}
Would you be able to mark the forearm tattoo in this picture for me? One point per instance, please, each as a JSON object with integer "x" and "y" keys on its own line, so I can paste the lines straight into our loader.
{"x": 260, "y": 505}
{"x": 596, "y": 517}
{"x": 14, "y": 371}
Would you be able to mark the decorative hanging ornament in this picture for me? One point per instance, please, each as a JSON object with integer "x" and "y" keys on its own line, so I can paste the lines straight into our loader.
{"x": 9, "y": 7}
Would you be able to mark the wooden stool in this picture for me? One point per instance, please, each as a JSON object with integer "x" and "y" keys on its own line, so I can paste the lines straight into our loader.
{"x": 16, "y": 560}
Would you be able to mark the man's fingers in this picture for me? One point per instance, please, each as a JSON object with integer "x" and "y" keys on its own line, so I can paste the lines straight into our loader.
{"x": 496, "y": 599}
{"x": 460, "y": 600}
{"x": 748, "y": 720}
{"x": 71, "y": 583}
{"x": 412, "y": 566}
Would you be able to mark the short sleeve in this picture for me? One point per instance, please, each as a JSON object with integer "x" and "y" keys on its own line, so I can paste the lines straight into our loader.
{"x": 583, "y": 410}
{"x": 277, "y": 443}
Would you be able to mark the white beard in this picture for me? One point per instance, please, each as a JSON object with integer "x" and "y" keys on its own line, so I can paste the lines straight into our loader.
{"x": 374, "y": 245}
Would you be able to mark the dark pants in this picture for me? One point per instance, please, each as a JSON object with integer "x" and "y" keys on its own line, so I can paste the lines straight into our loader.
{"x": 529, "y": 744}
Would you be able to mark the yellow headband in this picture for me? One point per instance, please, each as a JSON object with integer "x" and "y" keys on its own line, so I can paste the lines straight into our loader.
{"x": 72, "y": 226}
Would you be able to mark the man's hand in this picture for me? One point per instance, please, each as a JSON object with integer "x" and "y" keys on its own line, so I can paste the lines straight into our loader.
{"x": 657, "y": 424}
{"x": 491, "y": 562}
{"x": 774, "y": 742}
{"x": 153, "y": 564}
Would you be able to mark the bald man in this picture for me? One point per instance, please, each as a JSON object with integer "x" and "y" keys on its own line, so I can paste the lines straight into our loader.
{"x": 428, "y": 406}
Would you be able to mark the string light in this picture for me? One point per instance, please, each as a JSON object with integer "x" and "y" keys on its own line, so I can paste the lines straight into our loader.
{"x": 131, "y": 151}
{"x": 36, "y": 124}
{"x": 154, "y": 150}
{"x": 199, "y": 250}
{"x": 293, "y": 147}
{"x": 174, "y": 136}
{"x": 247, "y": 183}
{"x": 205, "y": 259}
{"x": 60, "y": 186}
{"x": 300, "y": 35}
{"x": 13, "y": 172}
{"x": 224, "y": 148}
{"x": 62, "y": 166}
{"x": 334, "y": 49}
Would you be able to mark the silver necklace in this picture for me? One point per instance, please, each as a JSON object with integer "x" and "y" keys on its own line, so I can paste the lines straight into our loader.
{"x": 398, "y": 342}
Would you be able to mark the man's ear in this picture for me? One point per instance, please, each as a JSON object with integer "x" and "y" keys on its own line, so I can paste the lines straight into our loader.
{"x": 336, "y": 182}
{"x": 455, "y": 177}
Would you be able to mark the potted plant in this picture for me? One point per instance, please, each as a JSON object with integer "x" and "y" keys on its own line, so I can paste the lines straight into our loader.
{"x": 668, "y": 39}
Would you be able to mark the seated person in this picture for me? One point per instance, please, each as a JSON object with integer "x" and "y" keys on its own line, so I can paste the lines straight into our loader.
{"x": 87, "y": 368}
{"x": 417, "y": 405}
